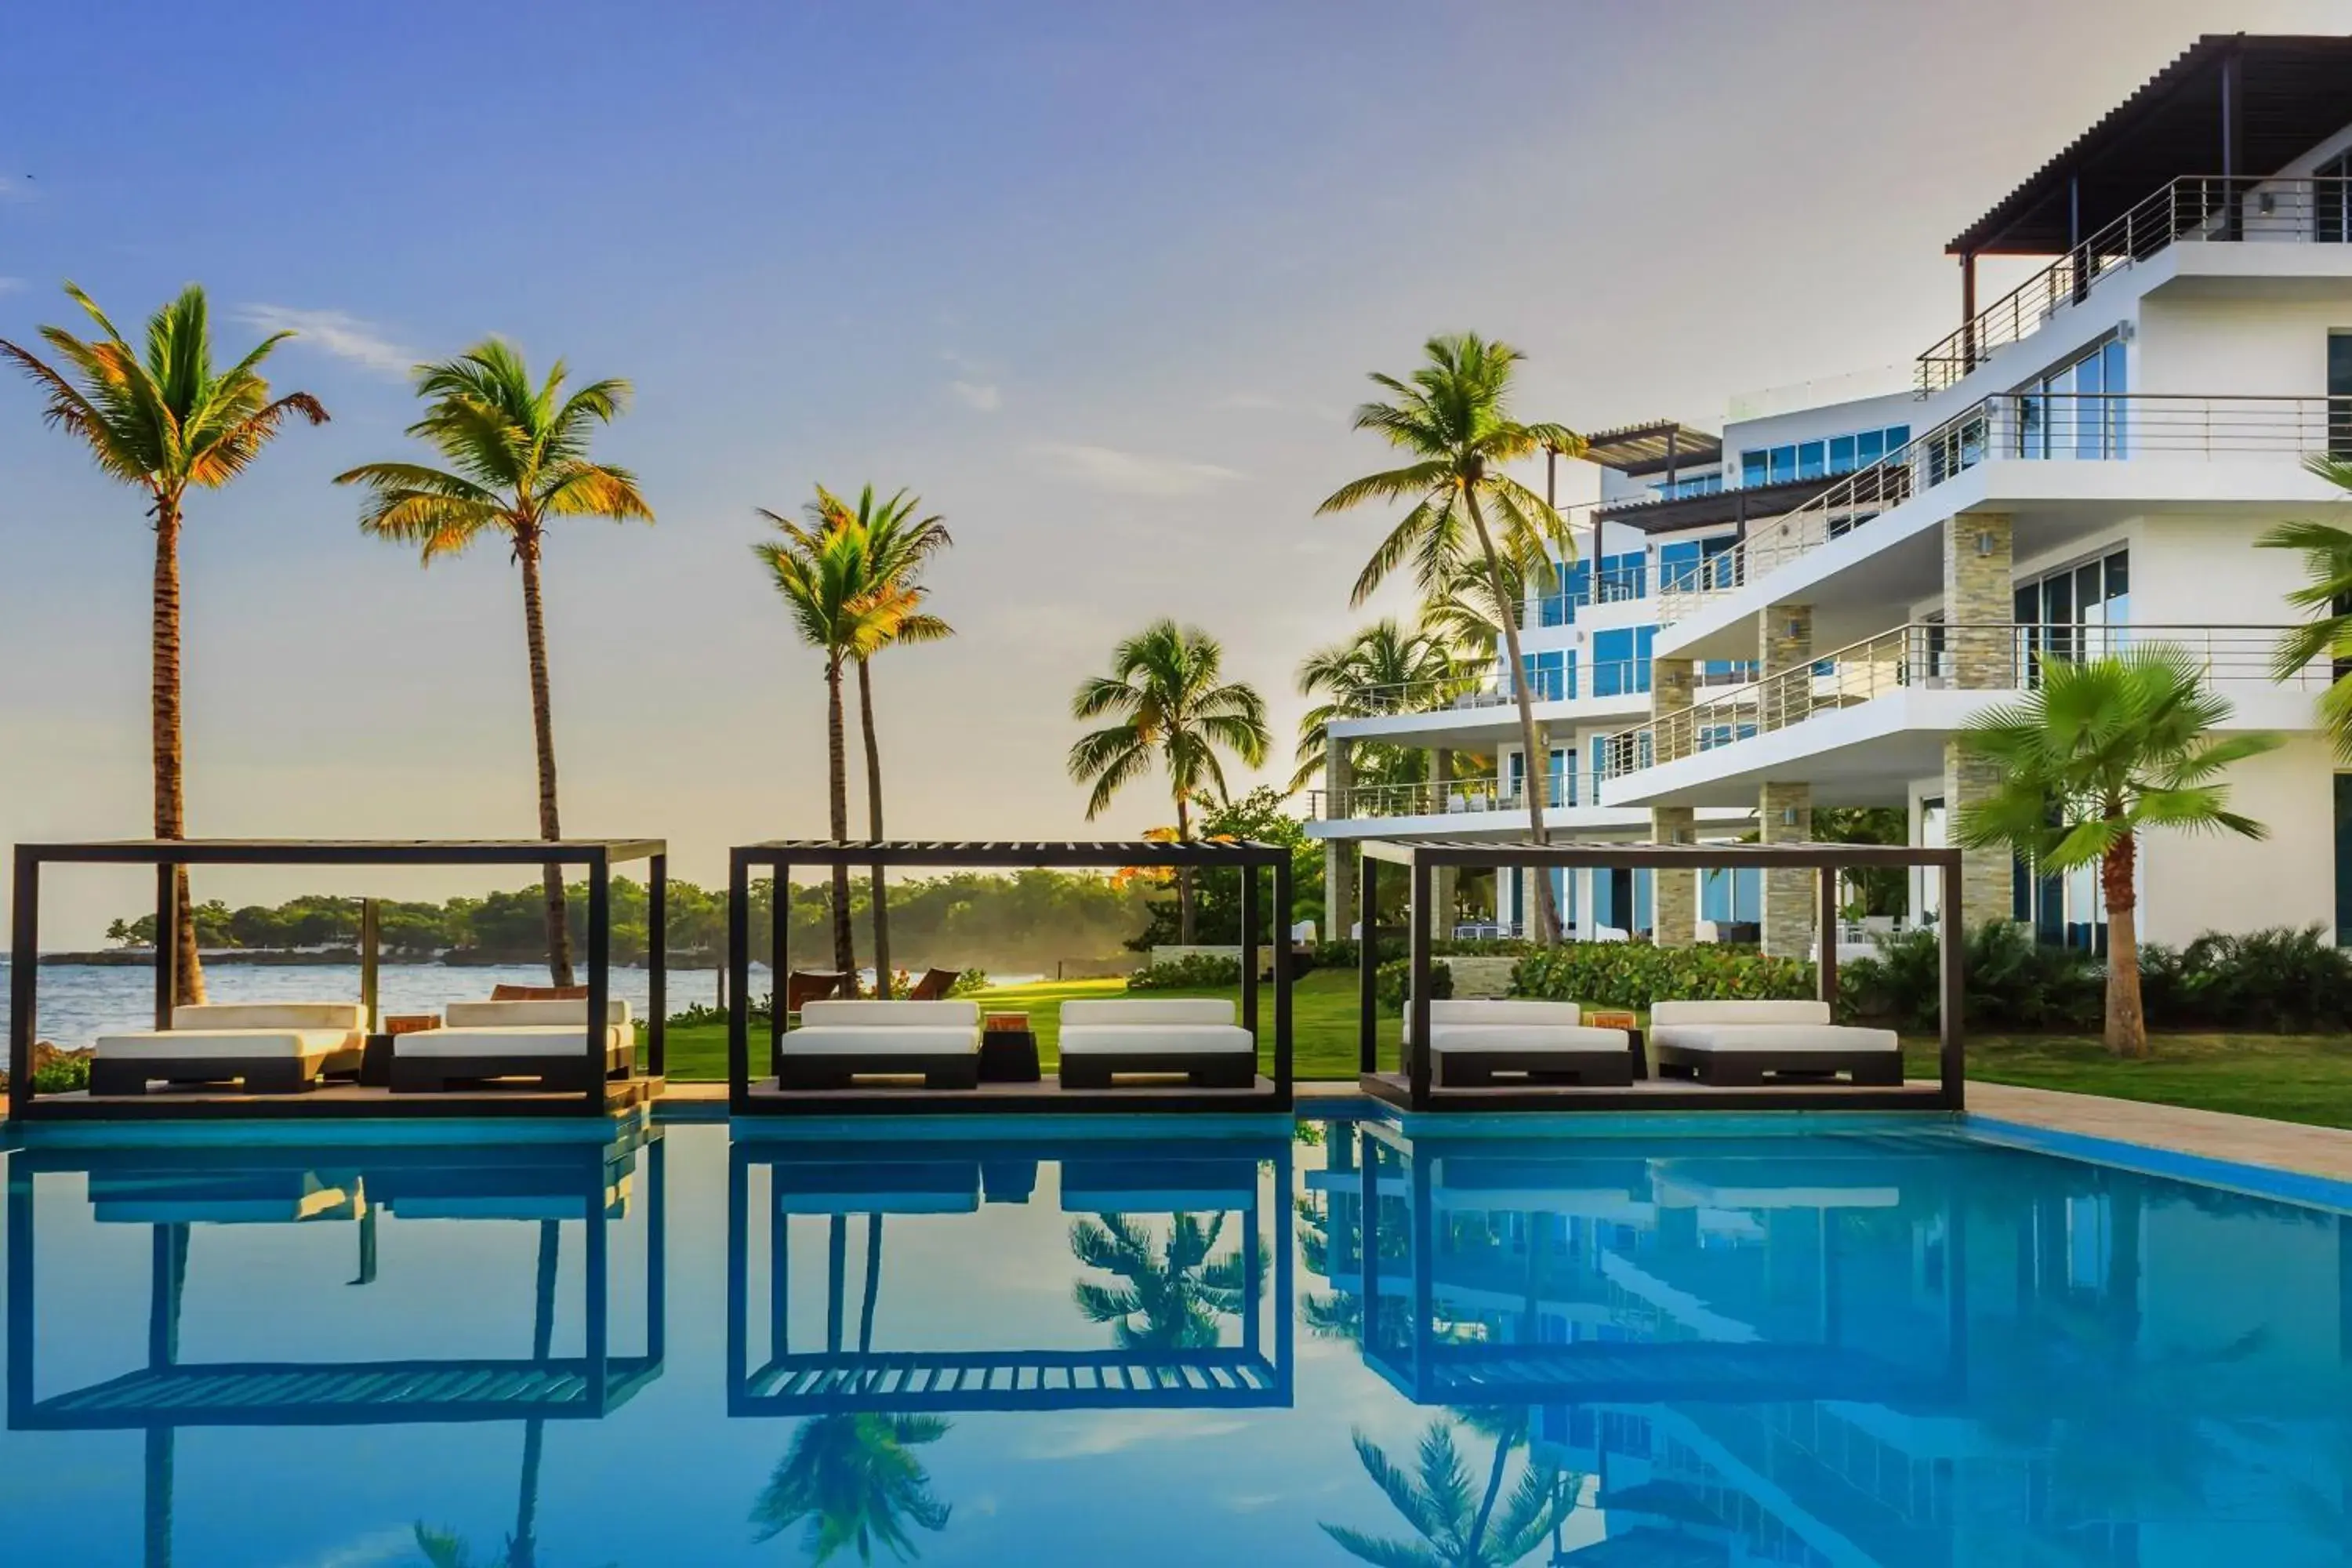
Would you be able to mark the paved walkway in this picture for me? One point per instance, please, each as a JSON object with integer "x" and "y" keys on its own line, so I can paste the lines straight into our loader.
{"x": 2216, "y": 1135}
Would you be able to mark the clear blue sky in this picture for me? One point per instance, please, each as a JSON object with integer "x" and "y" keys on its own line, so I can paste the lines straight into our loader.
{"x": 1099, "y": 281}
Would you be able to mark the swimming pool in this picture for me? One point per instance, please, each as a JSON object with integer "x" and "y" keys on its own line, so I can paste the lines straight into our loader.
{"x": 671, "y": 1347}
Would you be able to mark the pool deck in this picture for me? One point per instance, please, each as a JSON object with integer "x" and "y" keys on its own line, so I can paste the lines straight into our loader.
{"x": 2322, "y": 1151}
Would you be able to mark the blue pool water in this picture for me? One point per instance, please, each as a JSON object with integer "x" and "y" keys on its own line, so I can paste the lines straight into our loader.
{"x": 673, "y": 1348}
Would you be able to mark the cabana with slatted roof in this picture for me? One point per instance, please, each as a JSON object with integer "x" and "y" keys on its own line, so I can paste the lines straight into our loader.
{"x": 768, "y": 1093}
{"x": 603, "y": 1091}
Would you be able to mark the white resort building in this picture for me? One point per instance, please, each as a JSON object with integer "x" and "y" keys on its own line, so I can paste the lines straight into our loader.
{"x": 1803, "y": 612}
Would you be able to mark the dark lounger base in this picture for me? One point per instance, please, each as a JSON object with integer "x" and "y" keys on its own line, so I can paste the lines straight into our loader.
{"x": 259, "y": 1075}
{"x": 1751, "y": 1067}
{"x": 1237, "y": 1070}
{"x": 433, "y": 1075}
{"x": 1478, "y": 1070}
{"x": 960, "y": 1070}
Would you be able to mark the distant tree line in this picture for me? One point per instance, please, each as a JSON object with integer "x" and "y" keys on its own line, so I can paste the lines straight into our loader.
{"x": 967, "y": 919}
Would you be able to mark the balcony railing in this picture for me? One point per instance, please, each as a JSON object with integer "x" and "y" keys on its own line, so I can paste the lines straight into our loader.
{"x": 1611, "y": 677}
{"x": 2205, "y": 207}
{"x": 1935, "y": 657}
{"x": 2040, "y": 426}
{"x": 1466, "y": 797}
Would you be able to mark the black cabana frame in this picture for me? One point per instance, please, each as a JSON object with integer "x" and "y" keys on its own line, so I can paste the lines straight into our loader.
{"x": 597, "y": 856}
{"x": 778, "y": 856}
{"x": 1413, "y": 1090}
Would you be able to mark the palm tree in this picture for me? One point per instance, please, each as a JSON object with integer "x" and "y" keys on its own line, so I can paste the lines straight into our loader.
{"x": 1454, "y": 417}
{"x": 2099, "y": 751}
{"x": 1170, "y": 1294}
{"x": 1461, "y": 610}
{"x": 1456, "y": 1523}
{"x": 2326, "y": 595}
{"x": 517, "y": 456}
{"x": 1383, "y": 668}
{"x": 1164, "y": 689}
{"x": 164, "y": 421}
{"x": 824, "y": 574}
{"x": 898, "y": 546}
{"x": 853, "y": 1480}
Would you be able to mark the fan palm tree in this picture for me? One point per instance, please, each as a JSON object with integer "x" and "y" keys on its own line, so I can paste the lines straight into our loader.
{"x": 517, "y": 456}
{"x": 898, "y": 546}
{"x": 1383, "y": 668}
{"x": 1453, "y": 417}
{"x": 1165, "y": 691}
{"x": 2326, "y": 596}
{"x": 1457, "y": 1524}
{"x": 2100, "y": 751}
{"x": 165, "y": 420}
{"x": 853, "y": 1480}
{"x": 1170, "y": 1294}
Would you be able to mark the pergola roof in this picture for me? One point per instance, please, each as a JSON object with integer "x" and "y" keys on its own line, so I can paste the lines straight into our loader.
{"x": 1815, "y": 855}
{"x": 1652, "y": 448}
{"x": 1014, "y": 852}
{"x": 2291, "y": 92}
{"x": 1734, "y": 504}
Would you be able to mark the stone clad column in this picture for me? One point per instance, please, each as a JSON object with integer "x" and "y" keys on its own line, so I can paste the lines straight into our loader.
{"x": 1980, "y": 615}
{"x": 1784, "y": 810}
{"x": 1677, "y": 923}
{"x": 1339, "y": 855}
{"x": 1672, "y": 688}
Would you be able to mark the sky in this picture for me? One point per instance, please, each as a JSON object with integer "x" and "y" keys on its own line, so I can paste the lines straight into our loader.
{"x": 1100, "y": 283}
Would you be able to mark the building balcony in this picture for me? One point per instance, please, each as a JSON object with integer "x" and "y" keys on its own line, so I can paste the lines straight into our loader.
{"x": 1860, "y": 722}
{"x": 1482, "y": 711}
{"x": 2060, "y": 464}
{"x": 2195, "y": 210}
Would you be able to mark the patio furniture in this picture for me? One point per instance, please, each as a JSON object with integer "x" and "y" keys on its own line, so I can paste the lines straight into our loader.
{"x": 273, "y": 1047}
{"x": 803, "y": 986}
{"x": 1544, "y": 1042}
{"x": 1008, "y": 1049}
{"x": 839, "y": 1042}
{"x": 545, "y": 1040}
{"x": 934, "y": 987}
{"x": 1196, "y": 1036}
{"x": 512, "y": 993}
{"x": 1745, "y": 1042}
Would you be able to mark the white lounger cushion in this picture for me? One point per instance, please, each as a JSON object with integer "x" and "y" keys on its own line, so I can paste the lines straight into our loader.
{"x": 527, "y": 1014}
{"x": 1171, "y": 1026}
{"x": 831, "y": 1039}
{"x": 1767, "y": 1027}
{"x": 1147, "y": 1010}
{"x": 511, "y": 1040}
{"x": 841, "y": 1015}
{"x": 224, "y": 1045}
{"x": 1493, "y": 1025}
{"x": 348, "y": 1016}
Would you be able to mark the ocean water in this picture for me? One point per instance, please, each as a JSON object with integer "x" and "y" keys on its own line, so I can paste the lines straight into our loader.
{"x": 1346, "y": 1345}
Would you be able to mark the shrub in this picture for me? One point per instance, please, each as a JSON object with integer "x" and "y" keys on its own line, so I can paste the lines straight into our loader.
{"x": 2012, "y": 982}
{"x": 1635, "y": 975}
{"x": 970, "y": 983}
{"x": 55, "y": 1071}
{"x": 2278, "y": 981}
{"x": 1194, "y": 971}
{"x": 1390, "y": 984}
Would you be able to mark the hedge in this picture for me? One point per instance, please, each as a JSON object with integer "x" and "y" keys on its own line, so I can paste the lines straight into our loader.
{"x": 1193, "y": 971}
{"x": 1388, "y": 986}
{"x": 1635, "y": 975}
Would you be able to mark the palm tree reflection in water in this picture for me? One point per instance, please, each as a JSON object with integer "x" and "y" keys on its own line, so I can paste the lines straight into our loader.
{"x": 1171, "y": 1294}
{"x": 1457, "y": 1524}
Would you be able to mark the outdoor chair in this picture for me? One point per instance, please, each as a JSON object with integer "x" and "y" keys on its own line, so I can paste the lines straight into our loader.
{"x": 273, "y": 1047}
{"x": 1196, "y": 1036}
{"x": 543, "y": 1039}
{"x": 1750, "y": 1042}
{"x": 803, "y": 986}
{"x": 934, "y": 987}
{"x": 1547, "y": 1042}
{"x": 839, "y": 1042}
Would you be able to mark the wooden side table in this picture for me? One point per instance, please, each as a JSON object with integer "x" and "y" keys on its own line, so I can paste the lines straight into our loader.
{"x": 1008, "y": 1049}
{"x": 1619, "y": 1018}
{"x": 375, "y": 1065}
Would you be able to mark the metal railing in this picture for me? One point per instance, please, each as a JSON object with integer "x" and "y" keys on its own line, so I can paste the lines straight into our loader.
{"x": 2209, "y": 208}
{"x": 1933, "y": 656}
{"x": 1459, "y": 797}
{"x": 1610, "y": 677}
{"x": 2036, "y": 426}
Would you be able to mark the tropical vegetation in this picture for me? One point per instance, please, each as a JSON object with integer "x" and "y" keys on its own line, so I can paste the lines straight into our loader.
{"x": 1382, "y": 669}
{"x": 2098, "y": 752}
{"x": 164, "y": 420}
{"x": 1171, "y": 706}
{"x": 2326, "y": 599}
{"x": 518, "y": 452}
{"x": 1453, "y": 417}
{"x": 1458, "y": 1520}
{"x": 1170, "y": 1292}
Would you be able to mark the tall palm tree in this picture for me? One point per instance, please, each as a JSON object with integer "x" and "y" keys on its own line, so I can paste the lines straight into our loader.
{"x": 1382, "y": 669}
{"x": 166, "y": 421}
{"x": 2101, "y": 750}
{"x": 824, "y": 574}
{"x": 1165, "y": 691}
{"x": 1170, "y": 1294}
{"x": 898, "y": 546}
{"x": 517, "y": 456}
{"x": 2326, "y": 597}
{"x": 1456, "y": 1523}
{"x": 853, "y": 1480}
{"x": 1461, "y": 610}
{"x": 1453, "y": 417}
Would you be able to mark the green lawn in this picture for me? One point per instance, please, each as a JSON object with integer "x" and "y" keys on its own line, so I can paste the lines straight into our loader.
{"x": 2289, "y": 1078}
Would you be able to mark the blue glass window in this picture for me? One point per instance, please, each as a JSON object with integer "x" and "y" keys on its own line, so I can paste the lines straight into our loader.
{"x": 1731, "y": 896}
{"x": 1620, "y": 660}
{"x": 1842, "y": 454}
{"x": 1868, "y": 447}
{"x": 1548, "y": 676}
{"x": 1809, "y": 460}
{"x": 1898, "y": 436}
{"x": 1784, "y": 463}
{"x": 1679, "y": 565}
{"x": 1751, "y": 467}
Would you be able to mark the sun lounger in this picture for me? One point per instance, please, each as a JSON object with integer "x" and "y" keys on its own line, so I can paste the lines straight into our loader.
{"x": 1194, "y": 1036}
{"x": 273, "y": 1047}
{"x": 546, "y": 1040}
{"x": 803, "y": 986}
{"x": 1174, "y": 1184}
{"x": 934, "y": 987}
{"x": 1546, "y": 1041}
{"x": 1747, "y": 1042}
{"x": 839, "y": 1042}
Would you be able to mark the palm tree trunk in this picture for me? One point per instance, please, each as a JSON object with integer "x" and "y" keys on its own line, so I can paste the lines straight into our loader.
{"x": 170, "y": 761}
{"x": 542, "y": 731}
{"x": 872, "y": 1284}
{"x": 873, "y": 829}
{"x": 1504, "y": 1442}
{"x": 845, "y": 940}
{"x": 1547, "y": 908}
{"x": 2127, "y": 1024}
{"x": 1184, "y": 881}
